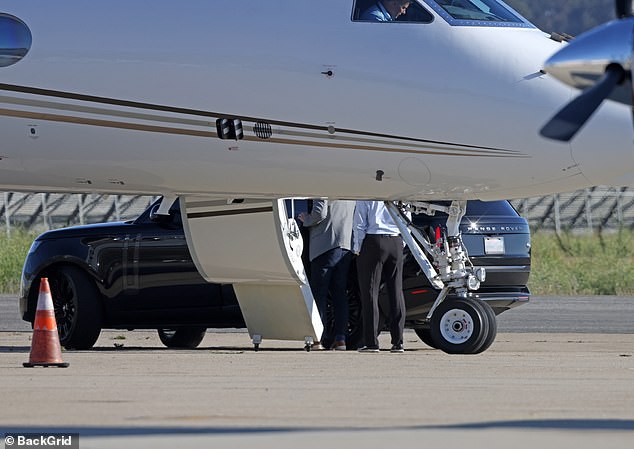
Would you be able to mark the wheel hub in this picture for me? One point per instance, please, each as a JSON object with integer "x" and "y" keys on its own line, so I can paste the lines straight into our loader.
{"x": 456, "y": 326}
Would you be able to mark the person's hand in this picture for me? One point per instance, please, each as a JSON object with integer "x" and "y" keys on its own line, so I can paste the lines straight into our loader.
{"x": 302, "y": 216}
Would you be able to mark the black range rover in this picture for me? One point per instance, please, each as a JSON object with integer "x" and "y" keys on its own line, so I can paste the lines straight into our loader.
{"x": 140, "y": 275}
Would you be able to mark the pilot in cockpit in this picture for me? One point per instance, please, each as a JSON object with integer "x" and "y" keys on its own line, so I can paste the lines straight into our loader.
{"x": 385, "y": 11}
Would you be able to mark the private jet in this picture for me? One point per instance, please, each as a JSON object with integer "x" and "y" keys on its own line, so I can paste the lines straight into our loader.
{"x": 234, "y": 106}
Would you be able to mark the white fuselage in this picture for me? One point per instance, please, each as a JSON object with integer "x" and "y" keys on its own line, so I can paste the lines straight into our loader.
{"x": 443, "y": 112}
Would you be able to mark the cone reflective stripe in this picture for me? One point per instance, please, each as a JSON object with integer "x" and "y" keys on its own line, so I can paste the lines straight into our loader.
{"x": 45, "y": 347}
{"x": 45, "y": 312}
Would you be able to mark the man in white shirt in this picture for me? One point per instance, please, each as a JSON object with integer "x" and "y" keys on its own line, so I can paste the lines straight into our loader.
{"x": 378, "y": 243}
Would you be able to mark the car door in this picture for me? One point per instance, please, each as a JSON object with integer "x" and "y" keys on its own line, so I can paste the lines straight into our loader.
{"x": 170, "y": 289}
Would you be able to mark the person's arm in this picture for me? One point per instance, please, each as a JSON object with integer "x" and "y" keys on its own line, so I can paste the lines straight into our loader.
{"x": 373, "y": 14}
{"x": 317, "y": 215}
{"x": 359, "y": 226}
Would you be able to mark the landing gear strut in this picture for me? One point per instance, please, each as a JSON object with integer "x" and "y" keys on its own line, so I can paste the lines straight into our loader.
{"x": 458, "y": 324}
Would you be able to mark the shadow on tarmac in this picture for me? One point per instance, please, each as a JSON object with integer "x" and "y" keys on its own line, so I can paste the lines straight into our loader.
{"x": 18, "y": 349}
{"x": 121, "y": 347}
{"x": 554, "y": 424}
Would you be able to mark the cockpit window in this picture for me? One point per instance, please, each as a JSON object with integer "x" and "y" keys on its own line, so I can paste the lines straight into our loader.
{"x": 396, "y": 11}
{"x": 478, "y": 13}
{"x": 15, "y": 40}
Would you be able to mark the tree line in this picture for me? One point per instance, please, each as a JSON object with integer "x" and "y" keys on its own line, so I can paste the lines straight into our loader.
{"x": 565, "y": 16}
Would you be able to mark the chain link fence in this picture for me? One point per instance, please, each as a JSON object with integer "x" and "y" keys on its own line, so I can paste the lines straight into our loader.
{"x": 588, "y": 210}
{"x": 44, "y": 211}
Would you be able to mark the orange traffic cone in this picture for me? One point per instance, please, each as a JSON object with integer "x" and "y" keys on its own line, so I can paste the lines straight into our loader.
{"x": 45, "y": 347}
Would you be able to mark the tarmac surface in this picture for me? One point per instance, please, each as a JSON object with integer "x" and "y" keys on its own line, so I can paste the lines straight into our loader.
{"x": 531, "y": 388}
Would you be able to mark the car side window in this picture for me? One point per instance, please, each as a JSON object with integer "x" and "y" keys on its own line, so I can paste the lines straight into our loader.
{"x": 379, "y": 11}
{"x": 175, "y": 213}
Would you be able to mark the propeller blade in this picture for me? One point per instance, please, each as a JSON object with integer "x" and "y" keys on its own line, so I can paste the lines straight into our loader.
{"x": 565, "y": 124}
{"x": 623, "y": 8}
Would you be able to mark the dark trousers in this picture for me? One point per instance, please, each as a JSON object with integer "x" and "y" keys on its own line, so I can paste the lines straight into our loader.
{"x": 381, "y": 257}
{"x": 329, "y": 273}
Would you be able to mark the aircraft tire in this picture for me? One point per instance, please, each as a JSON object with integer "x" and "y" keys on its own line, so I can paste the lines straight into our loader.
{"x": 493, "y": 327}
{"x": 459, "y": 326}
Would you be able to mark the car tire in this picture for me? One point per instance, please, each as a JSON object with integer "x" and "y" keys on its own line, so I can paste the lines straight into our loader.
{"x": 182, "y": 337}
{"x": 355, "y": 319}
{"x": 78, "y": 307}
{"x": 459, "y": 326}
{"x": 425, "y": 336}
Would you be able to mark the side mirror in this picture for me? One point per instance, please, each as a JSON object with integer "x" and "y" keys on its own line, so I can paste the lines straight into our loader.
{"x": 156, "y": 217}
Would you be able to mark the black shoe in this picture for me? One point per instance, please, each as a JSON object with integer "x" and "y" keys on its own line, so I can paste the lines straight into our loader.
{"x": 369, "y": 349}
{"x": 397, "y": 348}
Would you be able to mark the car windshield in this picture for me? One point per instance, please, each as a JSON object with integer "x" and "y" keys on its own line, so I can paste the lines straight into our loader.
{"x": 476, "y": 208}
{"x": 478, "y": 13}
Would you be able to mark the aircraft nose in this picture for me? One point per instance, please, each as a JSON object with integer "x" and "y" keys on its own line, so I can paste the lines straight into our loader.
{"x": 604, "y": 148}
{"x": 625, "y": 181}
{"x": 600, "y": 132}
